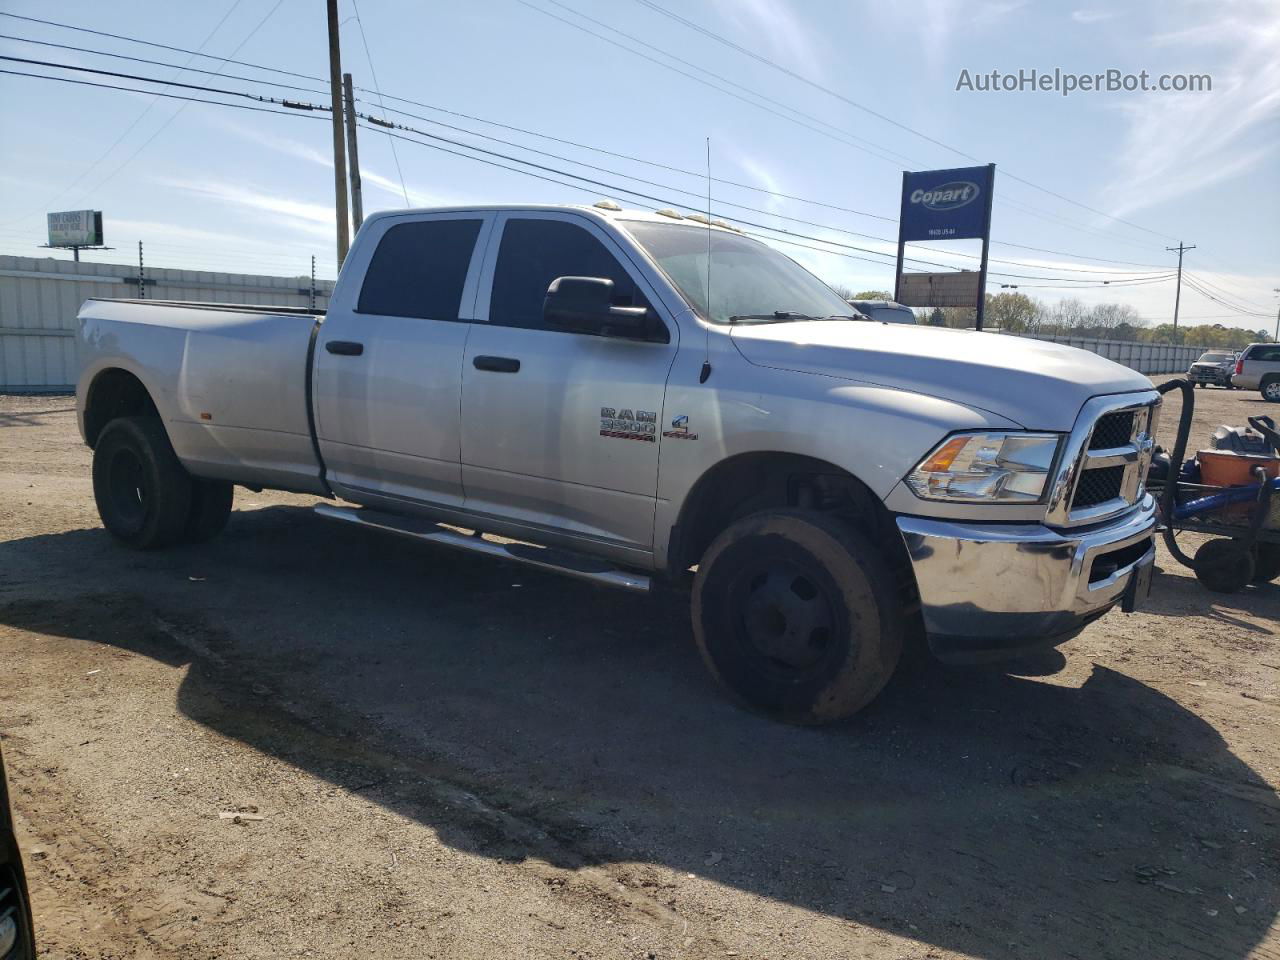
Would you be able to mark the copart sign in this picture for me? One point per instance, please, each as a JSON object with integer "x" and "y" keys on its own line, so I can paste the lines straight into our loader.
{"x": 946, "y": 204}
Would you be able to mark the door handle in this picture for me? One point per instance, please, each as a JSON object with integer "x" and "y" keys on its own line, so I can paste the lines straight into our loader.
{"x": 497, "y": 364}
{"x": 345, "y": 348}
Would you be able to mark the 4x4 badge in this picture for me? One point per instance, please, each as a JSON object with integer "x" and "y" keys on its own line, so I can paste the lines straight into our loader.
{"x": 680, "y": 429}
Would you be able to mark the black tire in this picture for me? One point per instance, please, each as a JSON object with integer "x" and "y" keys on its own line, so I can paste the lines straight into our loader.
{"x": 1270, "y": 389}
{"x": 796, "y": 614}
{"x": 142, "y": 491}
{"x": 210, "y": 508}
{"x": 1224, "y": 566}
{"x": 1266, "y": 562}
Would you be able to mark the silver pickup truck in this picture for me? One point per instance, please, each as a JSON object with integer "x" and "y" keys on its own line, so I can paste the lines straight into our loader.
{"x": 559, "y": 383}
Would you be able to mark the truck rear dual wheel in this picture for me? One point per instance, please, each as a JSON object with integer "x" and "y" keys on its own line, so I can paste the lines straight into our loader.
{"x": 145, "y": 497}
{"x": 795, "y": 612}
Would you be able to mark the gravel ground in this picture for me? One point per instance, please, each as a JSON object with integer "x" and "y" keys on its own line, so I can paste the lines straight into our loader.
{"x": 303, "y": 740}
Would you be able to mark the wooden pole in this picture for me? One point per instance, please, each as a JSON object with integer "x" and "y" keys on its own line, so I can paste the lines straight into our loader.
{"x": 339, "y": 149}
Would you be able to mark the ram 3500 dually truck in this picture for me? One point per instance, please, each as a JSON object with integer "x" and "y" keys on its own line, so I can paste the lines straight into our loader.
{"x": 558, "y": 380}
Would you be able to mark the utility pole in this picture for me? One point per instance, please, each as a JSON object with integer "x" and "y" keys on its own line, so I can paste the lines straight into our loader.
{"x": 339, "y": 149}
{"x": 357, "y": 203}
{"x": 142, "y": 275}
{"x": 1180, "y": 249}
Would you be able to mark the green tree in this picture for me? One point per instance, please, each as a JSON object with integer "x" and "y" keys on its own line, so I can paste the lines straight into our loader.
{"x": 1015, "y": 312}
{"x": 871, "y": 295}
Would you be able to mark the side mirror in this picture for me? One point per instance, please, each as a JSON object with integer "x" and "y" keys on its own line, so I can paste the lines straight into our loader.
{"x": 585, "y": 305}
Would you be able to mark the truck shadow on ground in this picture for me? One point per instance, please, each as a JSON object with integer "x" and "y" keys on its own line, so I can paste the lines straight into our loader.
{"x": 522, "y": 716}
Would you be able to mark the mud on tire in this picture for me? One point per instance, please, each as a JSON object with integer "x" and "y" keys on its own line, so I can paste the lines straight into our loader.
{"x": 796, "y": 613}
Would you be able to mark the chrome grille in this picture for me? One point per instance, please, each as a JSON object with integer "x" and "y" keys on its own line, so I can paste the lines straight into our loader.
{"x": 1098, "y": 486}
{"x": 1104, "y": 466}
{"x": 1112, "y": 430}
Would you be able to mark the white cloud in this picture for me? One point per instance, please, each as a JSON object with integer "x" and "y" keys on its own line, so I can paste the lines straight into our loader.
{"x": 1092, "y": 16}
{"x": 775, "y": 24}
{"x": 324, "y": 158}
{"x": 1181, "y": 142}
{"x": 762, "y": 176}
{"x": 938, "y": 24}
{"x": 302, "y": 216}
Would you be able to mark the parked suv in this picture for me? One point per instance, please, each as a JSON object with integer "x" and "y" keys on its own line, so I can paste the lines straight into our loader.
{"x": 884, "y": 311}
{"x": 1215, "y": 368}
{"x": 1259, "y": 369}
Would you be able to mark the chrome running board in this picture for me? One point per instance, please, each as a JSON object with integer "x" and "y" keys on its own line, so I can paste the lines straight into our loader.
{"x": 548, "y": 558}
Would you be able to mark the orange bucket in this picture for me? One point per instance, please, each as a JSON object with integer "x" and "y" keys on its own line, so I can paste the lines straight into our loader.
{"x": 1225, "y": 468}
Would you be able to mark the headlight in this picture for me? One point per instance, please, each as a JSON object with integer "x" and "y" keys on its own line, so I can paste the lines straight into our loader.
{"x": 987, "y": 468}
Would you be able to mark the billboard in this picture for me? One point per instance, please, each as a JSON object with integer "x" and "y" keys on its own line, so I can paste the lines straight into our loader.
{"x": 950, "y": 204}
{"x": 75, "y": 228}
{"x": 951, "y": 289}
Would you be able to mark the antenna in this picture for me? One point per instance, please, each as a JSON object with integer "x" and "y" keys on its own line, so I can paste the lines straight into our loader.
{"x": 706, "y": 349}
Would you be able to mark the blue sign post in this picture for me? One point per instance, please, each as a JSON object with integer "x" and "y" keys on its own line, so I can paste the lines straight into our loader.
{"x": 950, "y": 204}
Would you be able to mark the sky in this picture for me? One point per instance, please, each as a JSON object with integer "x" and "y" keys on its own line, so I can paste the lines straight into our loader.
{"x": 823, "y": 101}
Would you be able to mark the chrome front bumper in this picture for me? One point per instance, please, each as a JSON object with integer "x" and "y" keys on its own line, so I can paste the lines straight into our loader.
{"x": 992, "y": 590}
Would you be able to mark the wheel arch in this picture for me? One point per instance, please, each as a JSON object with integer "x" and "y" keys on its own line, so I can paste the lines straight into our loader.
{"x": 748, "y": 482}
{"x": 115, "y": 392}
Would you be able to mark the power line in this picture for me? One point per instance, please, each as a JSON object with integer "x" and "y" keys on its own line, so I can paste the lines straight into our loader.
{"x": 173, "y": 116}
{"x": 376, "y": 122}
{"x": 161, "y": 63}
{"x": 820, "y": 226}
{"x": 752, "y": 187}
{"x": 604, "y": 152}
{"x": 781, "y": 216}
{"x": 577, "y": 26}
{"x": 1218, "y": 300}
{"x": 657, "y": 8}
{"x": 1087, "y": 285}
{"x": 136, "y": 120}
{"x": 374, "y": 73}
{"x": 854, "y": 142}
{"x": 158, "y": 93}
{"x": 1229, "y": 293}
{"x": 171, "y": 83}
{"x": 163, "y": 46}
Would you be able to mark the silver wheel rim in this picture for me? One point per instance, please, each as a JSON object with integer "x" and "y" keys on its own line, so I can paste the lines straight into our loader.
{"x": 1272, "y": 390}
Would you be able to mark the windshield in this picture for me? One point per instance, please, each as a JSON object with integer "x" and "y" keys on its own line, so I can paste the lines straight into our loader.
{"x": 1215, "y": 358}
{"x": 750, "y": 282}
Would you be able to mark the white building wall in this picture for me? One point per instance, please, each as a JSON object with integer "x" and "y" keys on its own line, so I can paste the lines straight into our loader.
{"x": 40, "y": 297}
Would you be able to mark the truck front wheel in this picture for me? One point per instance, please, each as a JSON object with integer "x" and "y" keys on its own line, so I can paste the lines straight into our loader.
{"x": 142, "y": 491}
{"x": 795, "y": 612}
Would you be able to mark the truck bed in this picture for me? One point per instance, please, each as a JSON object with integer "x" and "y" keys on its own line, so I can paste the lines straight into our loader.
{"x": 230, "y": 381}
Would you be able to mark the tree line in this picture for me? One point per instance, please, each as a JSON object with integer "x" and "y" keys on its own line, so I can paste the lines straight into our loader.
{"x": 1019, "y": 313}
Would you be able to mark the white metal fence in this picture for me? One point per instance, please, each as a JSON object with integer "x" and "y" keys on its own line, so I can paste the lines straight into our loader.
{"x": 40, "y": 297}
{"x": 1147, "y": 358}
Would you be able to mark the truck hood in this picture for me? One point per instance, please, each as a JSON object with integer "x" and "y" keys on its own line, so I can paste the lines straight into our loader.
{"x": 1034, "y": 383}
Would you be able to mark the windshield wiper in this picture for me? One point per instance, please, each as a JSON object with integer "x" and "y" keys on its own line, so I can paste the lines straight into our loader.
{"x": 775, "y": 317}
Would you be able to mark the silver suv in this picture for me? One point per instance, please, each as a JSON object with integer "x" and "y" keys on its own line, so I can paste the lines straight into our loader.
{"x": 1259, "y": 369}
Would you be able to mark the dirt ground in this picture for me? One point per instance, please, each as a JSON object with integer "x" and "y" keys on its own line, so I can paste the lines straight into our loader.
{"x": 435, "y": 755}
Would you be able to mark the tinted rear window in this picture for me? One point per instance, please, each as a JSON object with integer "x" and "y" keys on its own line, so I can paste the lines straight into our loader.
{"x": 419, "y": 270}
